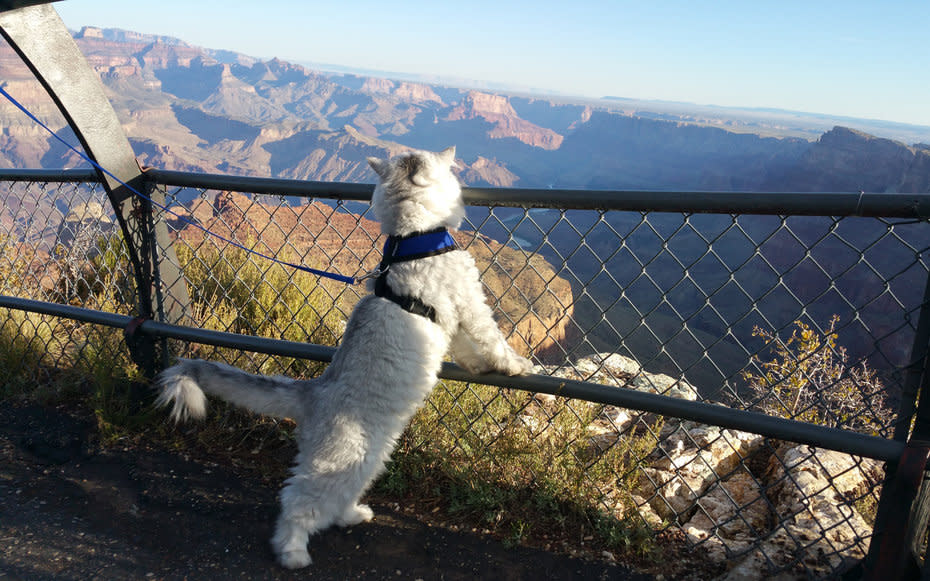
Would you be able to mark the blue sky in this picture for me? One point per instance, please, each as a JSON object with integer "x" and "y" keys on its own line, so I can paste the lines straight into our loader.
{"x": 852, "y": 58}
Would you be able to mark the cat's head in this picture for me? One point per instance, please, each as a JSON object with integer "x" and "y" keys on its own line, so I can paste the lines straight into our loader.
{"x": 417, "y": 191}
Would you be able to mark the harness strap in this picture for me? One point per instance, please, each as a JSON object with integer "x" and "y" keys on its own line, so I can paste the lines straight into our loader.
{"x": 411, "y": 247}
{"x": 408, "y": 303}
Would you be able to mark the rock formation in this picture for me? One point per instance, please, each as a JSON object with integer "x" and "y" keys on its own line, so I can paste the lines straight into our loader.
{"x": 155, "y": 82}
{"x": 496, "y": 109}
{"x": 846, "y": 160}
{"x": 758, "y": 506}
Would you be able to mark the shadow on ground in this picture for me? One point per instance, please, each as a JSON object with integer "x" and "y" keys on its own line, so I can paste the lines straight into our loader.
{"x": 72, "y": 510}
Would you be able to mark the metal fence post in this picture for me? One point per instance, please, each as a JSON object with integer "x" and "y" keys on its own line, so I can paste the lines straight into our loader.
{"x": 904, "y": 507}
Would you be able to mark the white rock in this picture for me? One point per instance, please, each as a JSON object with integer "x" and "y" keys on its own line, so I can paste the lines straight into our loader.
{"x": 730, "y": 517}
{"x": 816, "y": 521}
{"x": 690, "y": 462}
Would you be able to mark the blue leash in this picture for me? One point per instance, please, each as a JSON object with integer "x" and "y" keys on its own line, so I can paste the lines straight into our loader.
{"x": 334, "y": 276}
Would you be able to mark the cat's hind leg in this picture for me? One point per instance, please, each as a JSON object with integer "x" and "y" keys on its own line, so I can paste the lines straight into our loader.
{"x": 304, "y": 511}
{"x": 290, "y": 543}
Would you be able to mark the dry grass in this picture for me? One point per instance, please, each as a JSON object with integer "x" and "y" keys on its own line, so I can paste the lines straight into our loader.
{"x": 479, "y": 456}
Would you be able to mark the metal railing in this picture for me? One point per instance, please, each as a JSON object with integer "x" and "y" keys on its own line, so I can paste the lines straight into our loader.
{"x": 732, "y": 365}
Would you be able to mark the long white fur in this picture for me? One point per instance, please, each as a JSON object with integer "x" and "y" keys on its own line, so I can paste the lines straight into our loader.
{"x": 350, "y": 417}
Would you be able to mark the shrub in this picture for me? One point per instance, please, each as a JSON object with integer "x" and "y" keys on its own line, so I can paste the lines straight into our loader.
{"x": 809, "y": 378}
{"x": 232, "y": 291}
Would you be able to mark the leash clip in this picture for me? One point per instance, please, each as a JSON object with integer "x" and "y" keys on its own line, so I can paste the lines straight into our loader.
{"x": 375, "y": 273}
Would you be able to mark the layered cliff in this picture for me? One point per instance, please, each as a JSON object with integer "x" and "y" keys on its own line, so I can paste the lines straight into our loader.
{"x": 846, "y": 160}
{"x": 187, "y": 107}
{"x": 496, "y": 110}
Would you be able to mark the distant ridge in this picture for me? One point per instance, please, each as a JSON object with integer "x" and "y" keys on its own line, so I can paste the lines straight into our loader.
{"x": 192, "y": 108}
{"x": 119, "y": 35}
{"x": 766, "y": 121}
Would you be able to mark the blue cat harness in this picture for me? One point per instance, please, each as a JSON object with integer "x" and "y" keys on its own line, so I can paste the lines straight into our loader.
{"x": 411, "y": 247}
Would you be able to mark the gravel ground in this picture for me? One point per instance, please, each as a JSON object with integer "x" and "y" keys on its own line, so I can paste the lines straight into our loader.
{"x": 70, "y": 509}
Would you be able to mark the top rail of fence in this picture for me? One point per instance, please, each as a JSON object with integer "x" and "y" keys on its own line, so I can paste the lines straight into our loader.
{"x": 872, "y": 204}
{"x": 48, "y": 175}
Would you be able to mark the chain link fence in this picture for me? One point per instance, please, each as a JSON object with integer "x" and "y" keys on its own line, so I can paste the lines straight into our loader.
{"x": 60, "y": 244}
{"x": 800, "y": 316}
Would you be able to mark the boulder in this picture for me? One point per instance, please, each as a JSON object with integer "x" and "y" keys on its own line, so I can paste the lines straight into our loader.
{"x": 818, "y": 527}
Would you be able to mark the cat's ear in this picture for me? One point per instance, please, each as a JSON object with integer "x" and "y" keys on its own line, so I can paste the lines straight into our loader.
{"x": 380, "y": 166}
{"x": 447, "y": 156}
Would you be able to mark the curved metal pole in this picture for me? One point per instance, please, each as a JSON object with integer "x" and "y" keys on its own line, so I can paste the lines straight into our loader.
{"x": 42, "y": 40}
{"x": 45, "y": 45}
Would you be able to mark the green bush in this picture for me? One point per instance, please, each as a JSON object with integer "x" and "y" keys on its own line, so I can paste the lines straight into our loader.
{"x": 522, "y": 467}
{"x": 233, "y": 291}
{"x": 809, "y": 378}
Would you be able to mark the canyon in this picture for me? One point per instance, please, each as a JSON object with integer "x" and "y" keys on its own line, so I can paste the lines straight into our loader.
{"x": 201, "y": 110}
{"x": 197, "y": 109}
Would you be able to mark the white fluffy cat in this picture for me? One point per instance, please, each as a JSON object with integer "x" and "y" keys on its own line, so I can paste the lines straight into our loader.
{"x": 349, "y": 419}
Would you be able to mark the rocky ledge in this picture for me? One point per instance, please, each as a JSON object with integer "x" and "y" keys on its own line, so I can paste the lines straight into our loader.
{"x": 754, "y": 504}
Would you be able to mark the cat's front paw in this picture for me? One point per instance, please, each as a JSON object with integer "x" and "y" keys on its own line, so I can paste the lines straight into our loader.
{"x": 473, "y": 364}
{"x": 357, "y": 514}
{"x": 517, "y": 365}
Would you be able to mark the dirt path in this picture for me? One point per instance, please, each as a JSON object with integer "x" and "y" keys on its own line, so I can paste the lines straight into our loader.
{"x": 71, "y": 510}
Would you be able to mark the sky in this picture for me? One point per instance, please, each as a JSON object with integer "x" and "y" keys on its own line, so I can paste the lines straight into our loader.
{"x": 855, "y": 58}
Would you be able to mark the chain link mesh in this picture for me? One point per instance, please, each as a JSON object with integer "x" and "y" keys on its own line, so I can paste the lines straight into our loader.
{"x": 807, "y": 317}
{"x": 61, "y": 243}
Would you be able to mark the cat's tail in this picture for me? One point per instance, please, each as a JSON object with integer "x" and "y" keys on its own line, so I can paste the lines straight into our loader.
{"x": 185, "y": 383}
